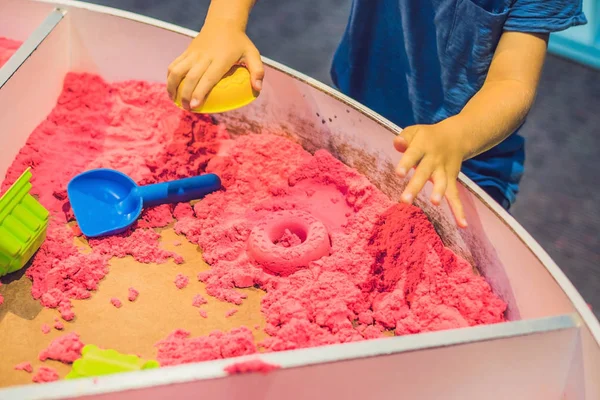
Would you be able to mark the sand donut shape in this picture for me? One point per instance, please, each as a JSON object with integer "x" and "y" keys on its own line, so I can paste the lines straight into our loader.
{"x": 287, "y": 241}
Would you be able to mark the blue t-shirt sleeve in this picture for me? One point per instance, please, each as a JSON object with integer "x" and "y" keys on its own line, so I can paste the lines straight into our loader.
{"x": 544, "y": 16}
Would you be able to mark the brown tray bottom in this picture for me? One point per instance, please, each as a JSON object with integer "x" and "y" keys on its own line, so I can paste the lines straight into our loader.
{"x": 135, "y": 327}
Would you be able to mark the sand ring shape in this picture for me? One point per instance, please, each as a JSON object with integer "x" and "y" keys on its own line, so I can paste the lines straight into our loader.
{"x": 282, "y": 260}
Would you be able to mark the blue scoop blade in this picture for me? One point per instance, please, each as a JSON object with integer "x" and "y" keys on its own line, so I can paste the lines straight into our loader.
{"x": 104, "y": 201}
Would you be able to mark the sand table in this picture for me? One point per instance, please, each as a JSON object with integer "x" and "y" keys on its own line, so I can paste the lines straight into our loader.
{"x": 296, "y": 250}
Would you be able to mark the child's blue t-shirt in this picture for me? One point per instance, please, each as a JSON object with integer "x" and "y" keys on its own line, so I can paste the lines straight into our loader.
{"x": 420, "y": 61}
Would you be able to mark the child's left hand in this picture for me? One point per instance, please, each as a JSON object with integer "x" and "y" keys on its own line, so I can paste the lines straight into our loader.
{"x": 491, "y": 115}
{"x": 437, "y": 152}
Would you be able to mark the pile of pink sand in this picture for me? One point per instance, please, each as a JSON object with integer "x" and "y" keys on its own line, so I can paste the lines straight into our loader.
{"x": 387, "y": 268}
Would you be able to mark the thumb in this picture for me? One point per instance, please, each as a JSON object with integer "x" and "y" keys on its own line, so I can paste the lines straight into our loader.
{"x": 404, "y": 138}
{"x": 256, "y": 69}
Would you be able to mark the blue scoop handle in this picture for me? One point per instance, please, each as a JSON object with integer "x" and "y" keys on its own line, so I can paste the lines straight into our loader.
{"x": 178, "y": 191}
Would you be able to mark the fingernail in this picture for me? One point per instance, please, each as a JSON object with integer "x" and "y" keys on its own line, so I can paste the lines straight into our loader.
{"x": 194, "y": 103}
{"x": 436, "y": 198}
{"x": 407, "y": 198}
{"x": 401, "y": 171}
{"x": 259, "y": 84}
{"x": 464, "y": 223}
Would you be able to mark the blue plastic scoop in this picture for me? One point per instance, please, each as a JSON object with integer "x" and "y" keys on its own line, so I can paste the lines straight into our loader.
{"x": 107, "y": 202}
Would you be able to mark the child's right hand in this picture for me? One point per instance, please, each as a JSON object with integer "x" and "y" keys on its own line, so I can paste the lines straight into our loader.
{"x": 218, "y": 46}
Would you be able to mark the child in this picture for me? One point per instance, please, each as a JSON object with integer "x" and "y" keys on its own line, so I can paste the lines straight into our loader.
{"x": 460, "y": 75}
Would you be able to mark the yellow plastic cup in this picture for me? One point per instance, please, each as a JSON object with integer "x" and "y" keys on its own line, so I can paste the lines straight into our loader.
{"x": 233, "y": 91}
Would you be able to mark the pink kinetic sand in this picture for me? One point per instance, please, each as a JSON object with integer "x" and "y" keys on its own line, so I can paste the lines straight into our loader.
{"x": 45, "y": 374}
{"x": 24, "y": 366}
{"x": 66, "y": 349}
{"x": 231, "y": 312}
{"x": 339, "y": 261}
{"x": 251, "y": 366}
{"x": 181, "y": 281}
{"x": 203, "y": 313}
{"x": 59, "y": 326}
{"x": 276, "y": 245}
{"x": 7, "y": 49}
{"x": 46, "y": 329}
{"x": 104, "y": 126}
{"x": 178, "y": 348}
{"x": 199, "y": 300}
{"x": 116, "y": 302}
{"x": 133, "y": 294}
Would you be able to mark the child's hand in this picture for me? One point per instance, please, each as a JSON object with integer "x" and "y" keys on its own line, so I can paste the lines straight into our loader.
{"x": 437, "y": 155}
{"x": 218, "y": 46}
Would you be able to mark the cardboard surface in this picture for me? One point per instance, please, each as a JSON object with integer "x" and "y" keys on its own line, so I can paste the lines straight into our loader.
{"x": 135, "y": 327}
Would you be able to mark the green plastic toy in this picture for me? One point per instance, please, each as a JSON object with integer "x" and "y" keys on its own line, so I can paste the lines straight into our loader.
{"x": 23, "y": 224}
{"x": 96, "y": 362}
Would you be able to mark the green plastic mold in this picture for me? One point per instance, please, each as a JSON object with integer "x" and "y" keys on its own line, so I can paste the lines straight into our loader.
{"x": 96, "y": 362}
{"x": 23, "y": 224}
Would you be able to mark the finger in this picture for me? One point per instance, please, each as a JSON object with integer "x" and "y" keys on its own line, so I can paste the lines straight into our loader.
{"x": 416, "y": 183}
{"x": 400, "y": 143}
{"x": 440, "y": 182}
{"x": 456, "y": 204}
{"x": 176, "y": 75}
{"x": 409, "y": 159}
{"x": 191, "y": 82}
{"x": 256, "y": 69}
{"x": 176, "y": 61}
{"x": 404, "y": 138}
{"x": 211, "y": 77}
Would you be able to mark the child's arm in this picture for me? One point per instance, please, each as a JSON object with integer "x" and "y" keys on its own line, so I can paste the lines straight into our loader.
{"x": 221, "y": 43}
{"x": 497, "y": 110}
